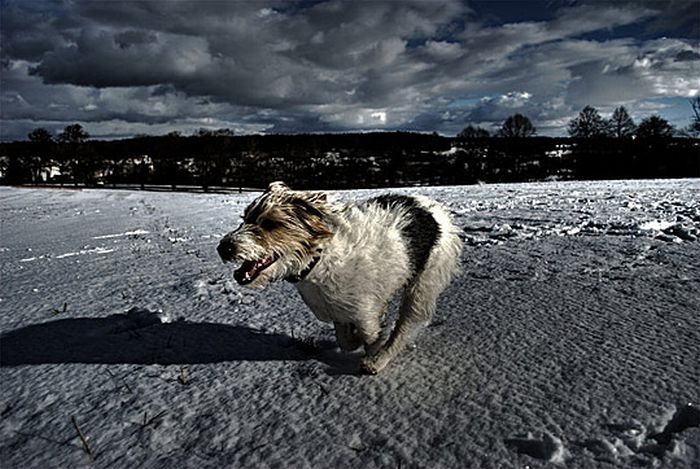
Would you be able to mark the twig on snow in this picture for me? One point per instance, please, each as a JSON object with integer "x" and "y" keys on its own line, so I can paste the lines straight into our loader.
{"x": 86, "y": 446}
{"x": 147, "y": 421}
{"x": 126, "y": 385}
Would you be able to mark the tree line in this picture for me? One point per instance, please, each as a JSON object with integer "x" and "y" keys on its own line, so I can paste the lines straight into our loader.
{"x": 597, "y": 148}
{"x": 590, "y": 124}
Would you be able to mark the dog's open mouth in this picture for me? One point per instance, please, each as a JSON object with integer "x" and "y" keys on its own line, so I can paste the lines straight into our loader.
{"x": 250, "y": 270}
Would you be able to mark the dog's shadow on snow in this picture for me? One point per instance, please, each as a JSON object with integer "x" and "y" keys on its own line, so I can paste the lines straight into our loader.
{"x": 140, "y": 337}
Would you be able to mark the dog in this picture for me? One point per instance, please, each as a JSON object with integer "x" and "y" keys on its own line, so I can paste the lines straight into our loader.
{"x": 348, "y": 260}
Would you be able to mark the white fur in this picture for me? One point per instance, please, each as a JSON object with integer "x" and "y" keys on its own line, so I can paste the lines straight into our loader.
{"x": 366, "y": 263}
{"x": 361, "y": 266}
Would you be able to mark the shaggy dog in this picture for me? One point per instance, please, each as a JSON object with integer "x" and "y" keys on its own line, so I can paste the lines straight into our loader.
{"x": 348, "y": 261}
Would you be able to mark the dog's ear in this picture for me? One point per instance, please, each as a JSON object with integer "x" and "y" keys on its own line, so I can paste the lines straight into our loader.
{"x": 277, "y": 186}
{"x": 306, "y": 207}
{"x": 313, "y": 216}
{"x": 317, "y": 197}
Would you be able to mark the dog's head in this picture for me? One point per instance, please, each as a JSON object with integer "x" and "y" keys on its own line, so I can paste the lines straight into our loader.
{"x": 281, "y": 233}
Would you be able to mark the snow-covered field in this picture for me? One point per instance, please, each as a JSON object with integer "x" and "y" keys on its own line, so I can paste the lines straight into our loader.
{"x": 571, "y": 338}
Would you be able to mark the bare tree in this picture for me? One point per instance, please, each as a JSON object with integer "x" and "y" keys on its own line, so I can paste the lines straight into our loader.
{"x": 621, "y": 124}
{"x": 73, "y": 134}
{"x": 655, "y": 128}
{"x": 40, "y": 135}
{"x": 72, "y": 159}
{"x": 471, "y": 131}
{"x": 694, "y": 128}
{"x": 588, "y": 124}
{"x": 517, "y": 126}
{"x": 40, "y": 158}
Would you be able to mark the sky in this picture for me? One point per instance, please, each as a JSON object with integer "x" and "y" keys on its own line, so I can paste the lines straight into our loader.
{"x": 124, "y": 68}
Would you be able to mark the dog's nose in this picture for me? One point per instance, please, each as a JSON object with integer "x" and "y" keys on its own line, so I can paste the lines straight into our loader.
{"x": 226, "y": 249}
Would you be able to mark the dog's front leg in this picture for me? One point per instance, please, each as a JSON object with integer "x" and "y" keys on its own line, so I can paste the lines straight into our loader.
{"x": 369, "y": 331}
{"x": 346, "y": 336}
{"x": 385, "y": 352}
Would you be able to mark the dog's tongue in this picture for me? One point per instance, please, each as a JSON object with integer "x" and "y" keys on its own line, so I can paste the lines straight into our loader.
{"x": 246, "y": 272}
{"x": 249, "y": 270}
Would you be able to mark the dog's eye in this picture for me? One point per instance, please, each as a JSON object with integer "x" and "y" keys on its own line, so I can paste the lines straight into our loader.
{"x": 268, "y": 225}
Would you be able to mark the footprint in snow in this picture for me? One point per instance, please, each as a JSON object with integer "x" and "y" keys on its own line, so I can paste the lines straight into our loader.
{"x": 548, "y": 448}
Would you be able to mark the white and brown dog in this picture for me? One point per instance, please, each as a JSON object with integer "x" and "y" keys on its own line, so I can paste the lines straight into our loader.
{"x": 348, "y": 261}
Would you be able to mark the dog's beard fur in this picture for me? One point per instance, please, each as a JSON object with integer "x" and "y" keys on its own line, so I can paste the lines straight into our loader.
{"x": 282, "y": 231}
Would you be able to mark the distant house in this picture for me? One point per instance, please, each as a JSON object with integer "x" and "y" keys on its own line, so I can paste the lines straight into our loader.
{"x": 560, "y": 150}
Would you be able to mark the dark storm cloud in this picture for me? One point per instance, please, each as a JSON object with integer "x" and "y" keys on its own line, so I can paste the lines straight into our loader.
{"x": 687, "y": 55}
{"x": 679, "y": 18}
{"x": 253, "y": 55}
{"x": 132, "y": 37}
{"x": 329, "y": 65}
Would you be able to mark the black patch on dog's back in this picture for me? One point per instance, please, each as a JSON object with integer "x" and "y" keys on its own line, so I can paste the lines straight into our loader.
{"x": 421, "y": 231}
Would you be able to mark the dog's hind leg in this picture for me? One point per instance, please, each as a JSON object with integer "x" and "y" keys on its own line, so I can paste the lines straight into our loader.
{"x": 346, "y": 336}
{"x": 417, "y": 308}
{"x": 369, "y": 331}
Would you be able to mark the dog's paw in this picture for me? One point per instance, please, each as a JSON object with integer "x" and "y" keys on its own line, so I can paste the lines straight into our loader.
{"x": 372, "y": 365}
{"x": 368, "y": 368}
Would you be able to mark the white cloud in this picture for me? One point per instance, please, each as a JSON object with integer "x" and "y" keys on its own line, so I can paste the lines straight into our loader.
{"x": 514, "y": 99}
{"x": 379, "y": 117}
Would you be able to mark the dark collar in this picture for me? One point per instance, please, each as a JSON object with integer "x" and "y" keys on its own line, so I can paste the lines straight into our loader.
{"x": 307, "y": 270}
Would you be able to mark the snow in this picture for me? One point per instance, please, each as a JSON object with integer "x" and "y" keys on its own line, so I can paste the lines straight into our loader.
{"x": 119, "y": 235}
{"x": 570, "y": 339}
{"x": 451, "y": 151}
{"x": 97, "y": 250}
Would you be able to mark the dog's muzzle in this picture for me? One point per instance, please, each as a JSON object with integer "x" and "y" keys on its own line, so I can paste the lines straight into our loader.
{"x": 226, "y": 250}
